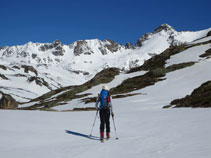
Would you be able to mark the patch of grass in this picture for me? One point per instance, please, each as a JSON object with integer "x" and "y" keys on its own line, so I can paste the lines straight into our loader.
{"x": 179, "y": 66}
{"x": 200, "y": 97}
{"x": 48, "y": 109}
{"x": 71, "y": 92}
{"x": 138, "y": 82}
{"x": 85, "y": 109}
{"x": 206, "y": 54}
{"x": 125, "y": 95}
{"x": 159, "y": 61}
{"x": 89, "y": 100}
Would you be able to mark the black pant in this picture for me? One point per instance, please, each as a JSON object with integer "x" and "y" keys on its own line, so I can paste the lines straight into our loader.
{"x": 104, "y": 119}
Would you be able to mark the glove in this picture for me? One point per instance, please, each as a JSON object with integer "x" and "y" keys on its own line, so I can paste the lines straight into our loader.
{"x": 112, "y": 114}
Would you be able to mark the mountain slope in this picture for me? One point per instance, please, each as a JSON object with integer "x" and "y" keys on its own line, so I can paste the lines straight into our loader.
{"x": 155, "y": 71}
{"x": 30, "y": 70}
{"x": 143, "y": 127}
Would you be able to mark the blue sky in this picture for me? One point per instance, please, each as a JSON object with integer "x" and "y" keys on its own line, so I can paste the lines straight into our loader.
{"x": 123, "y": 21}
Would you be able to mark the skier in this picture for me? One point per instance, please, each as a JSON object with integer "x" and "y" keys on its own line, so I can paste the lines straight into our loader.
{"x": 105, "y": 107}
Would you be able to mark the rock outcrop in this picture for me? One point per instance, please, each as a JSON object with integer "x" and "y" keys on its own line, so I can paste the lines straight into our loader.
{"x": 7, "y": 102}
{"x": 129, "y": 45}
{"x": 57, "y": 45}
{"x": 112, "y": 46}
{"x": 209, "y": 33}
{"x": 82, "y": 48}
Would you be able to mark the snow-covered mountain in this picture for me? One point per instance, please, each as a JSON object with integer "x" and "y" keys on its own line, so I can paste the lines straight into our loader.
{"x": 30, "y": 70}
{"x": 144, "y": 129}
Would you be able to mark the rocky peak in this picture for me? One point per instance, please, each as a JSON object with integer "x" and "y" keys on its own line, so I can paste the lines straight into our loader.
{"x": 147, "y": 36}
{"x": 142, "y": 39}
{"x": 164, "y": 27}
{"x": 57, "y": 45}
{"x": 129, "y": 45}
{"x": 82, "y": 48}
{"x": 111, "y": 45}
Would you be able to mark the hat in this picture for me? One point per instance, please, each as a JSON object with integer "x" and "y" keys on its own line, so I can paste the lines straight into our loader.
{"x": 105, "y": 87}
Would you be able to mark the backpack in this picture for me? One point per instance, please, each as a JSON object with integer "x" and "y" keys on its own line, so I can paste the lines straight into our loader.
{"x": 104, "y": 99}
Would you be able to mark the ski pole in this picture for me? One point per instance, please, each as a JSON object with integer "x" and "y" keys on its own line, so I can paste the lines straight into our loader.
{"x": 114, "y": 127}
{"x": 94, "y": 123}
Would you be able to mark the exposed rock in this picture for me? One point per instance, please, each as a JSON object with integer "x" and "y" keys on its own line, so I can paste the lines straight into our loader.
{"x": 129, "y": 45}
{"x": 112, "y": 46}
{"x": 80, "y": 72}
{"x": 103, "y": 50}
{"x": 16, "y": 67}
{"x": 59, "y": 51}
{"x": 45, "y": 47}
{"x": 3, "y": 67}
{"x": 24, "y": 54}
{"x": 8, "y": 52}
{"x": 57, "y": 43}
{"x": 3, "y": 77}
{"x": 82, "y": 48}
{"x": 8, "y": 102}
{"x": 164, "y": 27}
{"x": 39, "y": 81}
{"x": 19, "y": 75}
{"x": 143, "y": 38}
{"x": 29, "y": 68}
{"x": 209, "y": 33}
{"x": 34, "y": 56}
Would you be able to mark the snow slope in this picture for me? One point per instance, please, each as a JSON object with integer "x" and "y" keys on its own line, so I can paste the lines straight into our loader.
{"x": 142, "y": 133}
{"x": 143, "y": 127}
{"x": 62, "y": 65}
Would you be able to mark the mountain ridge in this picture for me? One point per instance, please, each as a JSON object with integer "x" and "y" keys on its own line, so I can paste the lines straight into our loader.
{"x": 42, "y": 67}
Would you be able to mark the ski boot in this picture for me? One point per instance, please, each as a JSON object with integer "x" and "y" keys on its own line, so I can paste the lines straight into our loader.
{"x": 107, "y": 136}
{"x": 102, "y": 137}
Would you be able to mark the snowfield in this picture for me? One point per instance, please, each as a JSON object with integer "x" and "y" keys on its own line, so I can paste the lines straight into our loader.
{"x": 142, "y": 133}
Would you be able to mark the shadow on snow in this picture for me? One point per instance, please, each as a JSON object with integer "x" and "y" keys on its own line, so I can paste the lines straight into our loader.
{"x": 82, "y": 135}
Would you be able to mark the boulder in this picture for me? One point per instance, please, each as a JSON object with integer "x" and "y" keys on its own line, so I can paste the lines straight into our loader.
{"x": 8, "y": 102}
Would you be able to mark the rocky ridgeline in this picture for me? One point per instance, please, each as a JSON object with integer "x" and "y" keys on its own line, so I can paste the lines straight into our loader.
{"x": 56, "y": 45}
{"x": 36, "y": 63}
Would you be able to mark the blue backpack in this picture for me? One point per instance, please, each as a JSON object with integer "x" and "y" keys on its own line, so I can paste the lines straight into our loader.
{"x": 104, "y": 94}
